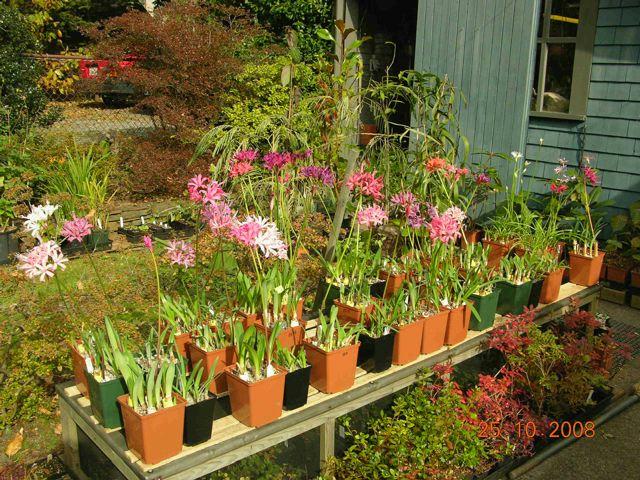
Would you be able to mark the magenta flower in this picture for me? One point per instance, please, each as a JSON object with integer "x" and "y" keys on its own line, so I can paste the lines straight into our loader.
{"x": 559, "y": 188}
{"x": 76, "y": 229}
{"x": 219, "y": 217}
{"x": 482, "y": 179}
{"x": 372, "y": 216}
{"x": 204, "y": 190}
{"x": 246, "y": 232}
{"x": 367, "y": 184}
{"x": 415, "y": 220}
{"x": 276, "y": 160}
{"x": 247, "y": 156}
{"x": 181, "y": 253}
{"x": 148, "y": 242}
{"x": 444, "y": 228}
{"x": 323, "y": 174}
{"x": 213, "y": 193}
{"x": 42, "y": 261}
{"x": 591, "y": 175}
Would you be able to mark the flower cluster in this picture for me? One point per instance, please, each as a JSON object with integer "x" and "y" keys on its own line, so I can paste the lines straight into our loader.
{"x": 242, "y": 162}
{"x": 181, "y": 253}
{"x": 277, "y": 160}
{"x": 366, "y": 184}
{"x": 258, "y": 232}
{"x": 445, "y": 227}
{"x": 204, "y": 190}
{"x": 35, "y": 221}
{"x": 411, "y": 206}
{"x": 76, "y": 229}
{"x": 42, "y": 261}
{"x": 219, "y": 217}
{"x": 372, "y": 216}
{"x": 323, "y": 174}
{"x": 438, "y": 164}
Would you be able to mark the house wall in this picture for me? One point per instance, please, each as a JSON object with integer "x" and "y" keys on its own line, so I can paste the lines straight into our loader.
{"x": 486, "y": 48}
{"x": 611, "y": 132}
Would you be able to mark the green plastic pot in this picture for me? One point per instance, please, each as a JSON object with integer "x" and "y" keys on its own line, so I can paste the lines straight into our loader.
{"x": 513, "y": 298}
{"x": 485, "y": 310}
{"x": 104, "y": 404}
{"x": 8, "y": 246}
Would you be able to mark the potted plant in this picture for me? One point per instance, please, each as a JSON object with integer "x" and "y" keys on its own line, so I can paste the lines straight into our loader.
{"x": 106, "y": 355}
{"x": 515, "y": 286}
{"x": 436, "y": 317}
{"x": 212, "y": 346}
{"x": 406, "y": 317}
{"x": 473, "y": 262}
{"x": 8, "y": 242}
{"x": 256, "y": 384}
{"x": 135, "y": 233}
{"x": 296, "y": 383}
{"x": 585, "y": 259}
{"x": 498, "y": 238}
{"x": 378, "y": 338}
{"x": 182, "y": 318}
{"x": 194, "y": 388}
{"x": 333, "y": 354}
{"x": 79, "y": 357}
{"x": 620, "y": 247}
{"x": 153, "y": 414}
{"x": 248, "y": 296}
{"x": 393, "y": 275}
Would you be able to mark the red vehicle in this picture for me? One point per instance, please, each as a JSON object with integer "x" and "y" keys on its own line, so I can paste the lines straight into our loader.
{"x": 114, "y": 92}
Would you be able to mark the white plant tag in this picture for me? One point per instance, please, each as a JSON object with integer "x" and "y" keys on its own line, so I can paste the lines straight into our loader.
{"x": 89, "y": 364}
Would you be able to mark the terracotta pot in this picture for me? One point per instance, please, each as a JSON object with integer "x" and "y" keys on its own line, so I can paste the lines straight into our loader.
{"x": 635, "y": 279}
{"x": 585, "y": 271}
{"x": 458, "y": 325}
{"x": 289, "y": 338}
{"x": 393, "y": 282}
{"x": 335, "y": 371}
{"x": 406, "y": 345}
{"x": 225, "y": 357}
{"x": 181, "y": 343}
{"x": 79, "y": 366}
{"x": 349, "y": 315}
{"x": 558, "y": 250}
{"x": 156, "y": 436}
{"x": 367, "y": 131}
{"x": 617, "y": 274}
{"x": 255, "y": 404}
{"x": 471, "y": 236}
{"x": 519, "y": 251}
{"x": 551, "y": 286}
{"x": 497, "y": 251}
{"x": 249, "y": 319}
{"x": 434, "y": 332}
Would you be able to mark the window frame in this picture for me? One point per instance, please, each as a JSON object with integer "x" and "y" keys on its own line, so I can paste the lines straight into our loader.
{"x": 581, "y": 75}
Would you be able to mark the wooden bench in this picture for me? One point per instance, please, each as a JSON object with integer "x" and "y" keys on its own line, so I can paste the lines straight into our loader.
{"x": 232, "y": 441}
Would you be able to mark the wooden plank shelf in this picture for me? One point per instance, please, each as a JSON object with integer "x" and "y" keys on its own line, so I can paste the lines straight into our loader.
{"x": 232, "y": 441}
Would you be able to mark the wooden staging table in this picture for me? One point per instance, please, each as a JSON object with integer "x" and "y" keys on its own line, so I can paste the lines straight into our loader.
{"x": 232, "y": 441}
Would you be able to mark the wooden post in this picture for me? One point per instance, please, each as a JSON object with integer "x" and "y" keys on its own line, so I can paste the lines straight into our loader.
{"x": 327, "y": 441}
{"x": 71, "y": 453}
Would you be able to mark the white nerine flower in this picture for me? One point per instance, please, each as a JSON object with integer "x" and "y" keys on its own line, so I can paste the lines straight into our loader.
{"x": 516, "y": 155}
{"x": 38, "y": 215}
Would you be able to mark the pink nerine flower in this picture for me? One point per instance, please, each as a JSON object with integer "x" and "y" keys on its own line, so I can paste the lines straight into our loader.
{"x": 181, "y": 253}
{"x": 372, "y": 216}
{"x": 457, "y": 214}
{"x": 323, "y": 174}
{"x": 276, "y": 160}
{"x": 444, "y": 228}
{"x": 240, "y": 168}
{"x": 246, "y": 156}
{"x": 219, "y": 217}
{"x": 147, "y": 242}
{"x": 366, "y": 183}
{"x": 261, "y": 233}
{"x": 204, "y": 190}
{"x": 558, "y": 188}
{"x": 76, "y": 229}
{"x": 482, "y": 179}
{"x": 591, "y": 175}
{"x": 42, "y": 261}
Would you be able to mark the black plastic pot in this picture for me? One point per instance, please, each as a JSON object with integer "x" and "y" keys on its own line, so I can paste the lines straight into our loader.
{"x": 375, "y": 354}
{"x": 296, "y": 388}
{"x": 8, "y": 246}
{"x": 98, "y": 240}
{"x": 198, "y": 421}
{"x": 536, "y": 290}
{"x": 378, "y": 288}
{"x": 182, "y": 229}
{"x": 160, "y": 232}
{"x": 326, "y": 293}
{"x": 133, "y": 235}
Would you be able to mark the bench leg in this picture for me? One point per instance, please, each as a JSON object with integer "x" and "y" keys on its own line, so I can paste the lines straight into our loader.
{"x": 327, "y": 441}
{"x": 71, "y": 455}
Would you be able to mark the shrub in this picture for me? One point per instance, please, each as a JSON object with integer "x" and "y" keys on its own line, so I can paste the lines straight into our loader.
{"x": 429, "y": 435}
{"x": 21, "y": 99}
{"x": 186, "y": 58}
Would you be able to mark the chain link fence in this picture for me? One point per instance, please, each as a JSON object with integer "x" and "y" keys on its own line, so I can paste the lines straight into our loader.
{"x": 89, "y": 102}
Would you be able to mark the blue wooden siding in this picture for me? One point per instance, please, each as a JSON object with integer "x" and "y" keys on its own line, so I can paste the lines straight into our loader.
{"x": 486, "y": 49}
{"x": 611, "y": 133}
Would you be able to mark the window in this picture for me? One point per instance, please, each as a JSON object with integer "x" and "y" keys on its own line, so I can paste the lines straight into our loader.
{"x": 566, "y": 33}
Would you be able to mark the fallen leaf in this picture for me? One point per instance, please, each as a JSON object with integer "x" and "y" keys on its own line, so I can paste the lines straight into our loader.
{"x": 15, "y": 445}
{"x": 58, "y": 430}
{"x": 80, "y": 285}
{"x": 44, "y": 411}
